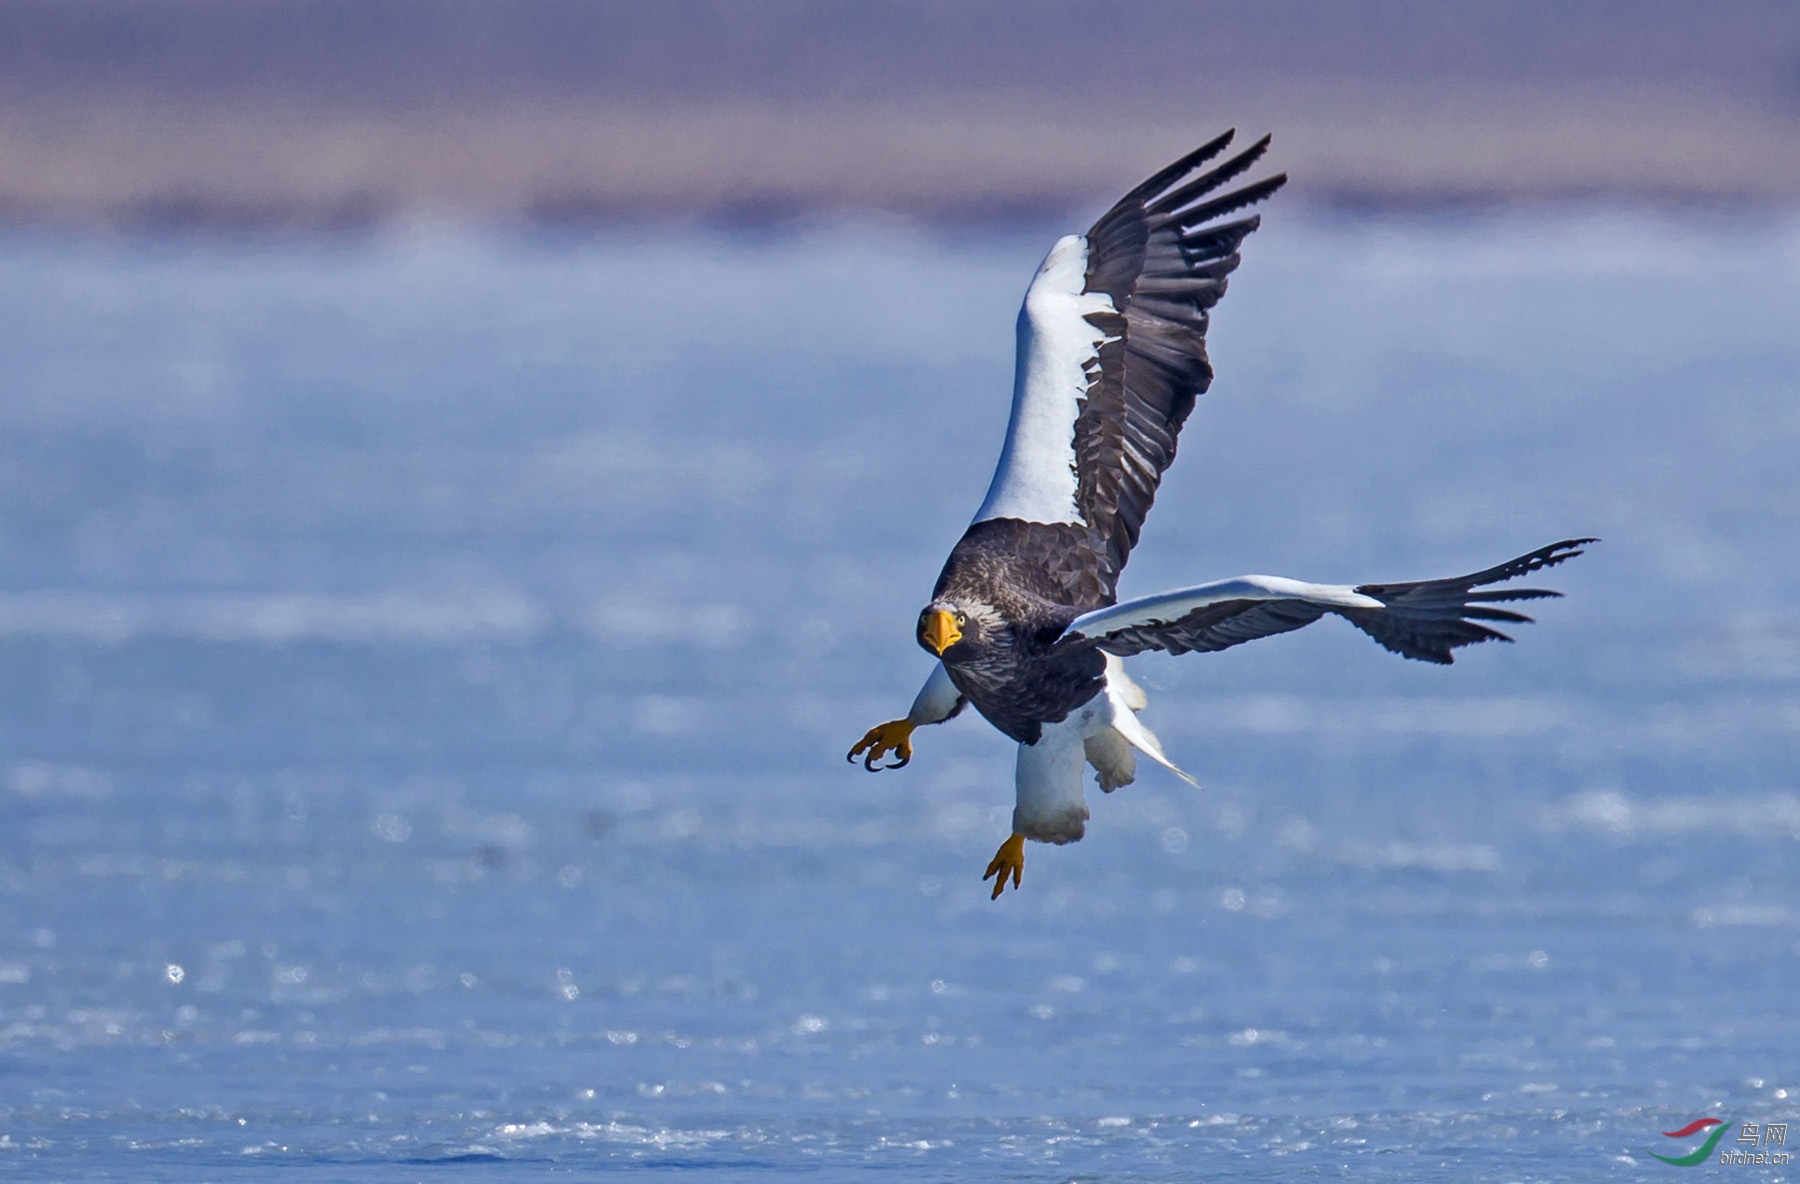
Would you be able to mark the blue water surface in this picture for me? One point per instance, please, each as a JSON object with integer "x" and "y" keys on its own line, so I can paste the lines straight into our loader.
{"x": 426, "y": 664}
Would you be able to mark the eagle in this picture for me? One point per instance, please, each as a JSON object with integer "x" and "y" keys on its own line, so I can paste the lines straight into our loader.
{"x": 1024, "y": 620}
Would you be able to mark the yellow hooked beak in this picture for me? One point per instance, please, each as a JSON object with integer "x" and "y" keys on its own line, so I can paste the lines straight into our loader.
{"x": 941, "y": 632}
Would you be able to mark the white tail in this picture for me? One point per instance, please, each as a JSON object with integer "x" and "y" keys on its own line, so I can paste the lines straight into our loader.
{"x": 1127, "y": 700}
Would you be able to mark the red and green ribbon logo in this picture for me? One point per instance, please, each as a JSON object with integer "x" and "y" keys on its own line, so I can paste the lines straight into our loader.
{"x": 1705, "y": 1149}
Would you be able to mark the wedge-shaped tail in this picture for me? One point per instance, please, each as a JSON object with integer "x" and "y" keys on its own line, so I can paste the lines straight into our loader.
{"x": 1424, "y": 620}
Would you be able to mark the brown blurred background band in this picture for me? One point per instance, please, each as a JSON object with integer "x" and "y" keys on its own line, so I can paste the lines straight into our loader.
{"x": 309, "y": 113}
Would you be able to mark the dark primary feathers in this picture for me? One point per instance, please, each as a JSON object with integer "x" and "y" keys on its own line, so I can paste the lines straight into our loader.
{"x": 1162, "y": 258}
{"x": 1428, "y": 619}
{"x": 1424, "y": 620}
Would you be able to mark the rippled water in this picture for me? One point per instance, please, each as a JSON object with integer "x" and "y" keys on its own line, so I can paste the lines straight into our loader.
{"x": 425, "y": 668}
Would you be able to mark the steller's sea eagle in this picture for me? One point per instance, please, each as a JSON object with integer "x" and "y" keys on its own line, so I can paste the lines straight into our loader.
{"x": 1024, "y": 619}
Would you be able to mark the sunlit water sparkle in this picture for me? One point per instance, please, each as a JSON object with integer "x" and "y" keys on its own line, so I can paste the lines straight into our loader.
{"x": 426, "y": 665}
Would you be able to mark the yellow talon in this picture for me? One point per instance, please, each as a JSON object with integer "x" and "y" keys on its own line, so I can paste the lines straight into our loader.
{"x": 895, "y": 736}
{"x": 1010, "y": 858}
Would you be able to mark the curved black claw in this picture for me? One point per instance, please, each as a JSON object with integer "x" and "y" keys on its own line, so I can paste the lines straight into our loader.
{"x": 895, "y": 736}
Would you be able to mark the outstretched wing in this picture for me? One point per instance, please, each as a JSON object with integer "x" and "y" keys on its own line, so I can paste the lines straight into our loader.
{"x": 1214, "y": 616}
{"x": 1112, "y": 353}
{"x": 1423, "y": 620}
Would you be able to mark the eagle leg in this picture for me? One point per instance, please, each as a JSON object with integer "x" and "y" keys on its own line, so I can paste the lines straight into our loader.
{"x": 1010, "y": 858}
{"x": 895, "y": 736}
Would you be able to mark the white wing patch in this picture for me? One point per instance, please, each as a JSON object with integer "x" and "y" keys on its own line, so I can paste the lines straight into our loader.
{"x": 1172, "y": 606}
{"x": 1036, "y": 479}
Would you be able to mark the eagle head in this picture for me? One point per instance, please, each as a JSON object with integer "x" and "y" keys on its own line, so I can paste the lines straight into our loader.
{"x": 946, "y": 625}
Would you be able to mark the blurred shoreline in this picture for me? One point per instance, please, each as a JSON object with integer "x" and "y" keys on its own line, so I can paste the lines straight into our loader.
{"x": 169, "y": 114}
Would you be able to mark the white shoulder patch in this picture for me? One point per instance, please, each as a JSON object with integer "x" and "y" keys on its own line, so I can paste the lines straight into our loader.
{"x": 936, "y": 700}
{"x": 1036, "y": 479}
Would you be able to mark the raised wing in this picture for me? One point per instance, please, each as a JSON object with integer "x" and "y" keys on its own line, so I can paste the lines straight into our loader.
{"x": 1112, "y": 353}
{"x": 1424, "y": 620}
